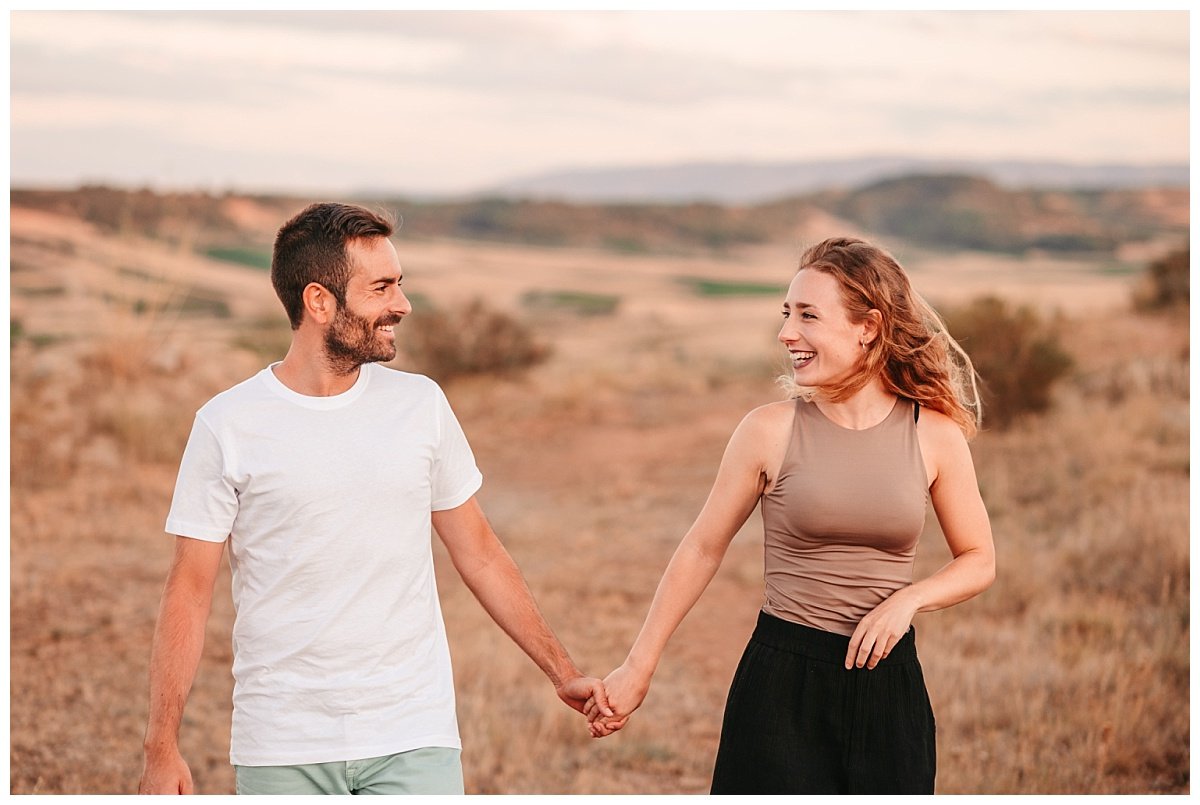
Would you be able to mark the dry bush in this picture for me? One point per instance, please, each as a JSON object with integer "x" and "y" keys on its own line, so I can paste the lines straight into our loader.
{"x": 1070, "y": 675}
{"x": 1084, "y": 637}
{"x": 102, "y": 406}
{"x": 97, "y": 430}
{"x": 71, "y": 415}
{"x": 471, "y": 340}
{"x": 1017, "y": 355}
{"x": 1167, "y": 282}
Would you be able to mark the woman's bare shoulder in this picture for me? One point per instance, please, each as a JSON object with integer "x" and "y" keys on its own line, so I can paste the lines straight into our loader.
{"x": 771, "y": 416}
{"x": 938, "y": 425}
{"x": 765, "y": 428}
{"x": 941, "y": 437}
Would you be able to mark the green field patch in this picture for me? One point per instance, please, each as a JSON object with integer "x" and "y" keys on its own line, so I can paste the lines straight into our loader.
{"x": 580, "y": 303}
{"x": 706, "y": 287}
{"x": 255, "y": 258}
{"x": 1118, "y": 269}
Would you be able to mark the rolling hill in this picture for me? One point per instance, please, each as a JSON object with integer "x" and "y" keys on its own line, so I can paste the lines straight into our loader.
{"x": 756, "y": 182}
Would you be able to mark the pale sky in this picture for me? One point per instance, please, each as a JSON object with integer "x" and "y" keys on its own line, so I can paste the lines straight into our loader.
{"x": 450, "y": 102}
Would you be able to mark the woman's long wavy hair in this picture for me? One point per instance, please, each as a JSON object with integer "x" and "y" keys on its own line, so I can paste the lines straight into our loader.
{"x": 914, "y": 353}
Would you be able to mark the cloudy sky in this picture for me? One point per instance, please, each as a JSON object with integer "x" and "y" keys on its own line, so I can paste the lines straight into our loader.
{"x": 451, "y": 102}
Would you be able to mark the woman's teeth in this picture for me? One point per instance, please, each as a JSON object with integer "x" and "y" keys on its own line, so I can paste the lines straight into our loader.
{"x": 801, "y": 358}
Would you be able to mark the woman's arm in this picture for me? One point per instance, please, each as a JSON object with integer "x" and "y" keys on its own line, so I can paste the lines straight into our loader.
{"x": 964, "y": 521}
{"x": 740, "y": 481}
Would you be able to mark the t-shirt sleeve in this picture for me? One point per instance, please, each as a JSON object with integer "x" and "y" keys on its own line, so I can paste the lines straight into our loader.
{"x": 455, "y": 475}
{"x": 205, "y": 503}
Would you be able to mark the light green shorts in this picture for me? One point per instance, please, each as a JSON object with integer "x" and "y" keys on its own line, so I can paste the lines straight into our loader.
{"x": 432, "y": 770}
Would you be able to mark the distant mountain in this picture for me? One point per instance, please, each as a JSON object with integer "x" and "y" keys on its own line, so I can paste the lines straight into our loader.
{"x": 940, "y": 211}
{"x": 748, "y": 182}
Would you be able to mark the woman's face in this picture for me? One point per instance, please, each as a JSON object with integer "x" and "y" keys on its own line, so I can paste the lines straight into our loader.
{"x": 824, "y": 345}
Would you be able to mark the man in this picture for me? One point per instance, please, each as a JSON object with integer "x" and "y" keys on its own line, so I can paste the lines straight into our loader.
{"x": 324, "y": 473}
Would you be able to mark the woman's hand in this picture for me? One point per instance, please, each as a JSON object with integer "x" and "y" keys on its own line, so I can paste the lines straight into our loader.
{"x": 879, "y": 631}
{"x": 626, "y": 688}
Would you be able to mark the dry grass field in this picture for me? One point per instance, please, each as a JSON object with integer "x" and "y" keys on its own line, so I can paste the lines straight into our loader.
{"x": 1070, "y": 675}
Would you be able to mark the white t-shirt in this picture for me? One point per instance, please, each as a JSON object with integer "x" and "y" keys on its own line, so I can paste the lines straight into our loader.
{"x": 339, "y": 648}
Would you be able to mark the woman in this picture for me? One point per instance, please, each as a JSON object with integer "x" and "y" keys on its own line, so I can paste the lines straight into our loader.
{"x": 829, "y": 696}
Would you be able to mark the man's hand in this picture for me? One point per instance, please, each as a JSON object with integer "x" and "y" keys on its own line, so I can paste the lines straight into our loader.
{"x": 582, "y": 691}
{"x": 174, "y": 658}
{"x": 165, "y": 772}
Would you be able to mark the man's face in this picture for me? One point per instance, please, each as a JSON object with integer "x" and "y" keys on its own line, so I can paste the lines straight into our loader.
{"x": 362, "y": 330}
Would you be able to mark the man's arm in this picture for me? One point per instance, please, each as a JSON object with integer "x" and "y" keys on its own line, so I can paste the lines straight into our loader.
{"x": 174, "y": 658}
{"x": 493, "y": 577}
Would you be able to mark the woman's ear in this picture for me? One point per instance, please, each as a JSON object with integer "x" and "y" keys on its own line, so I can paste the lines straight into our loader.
{"x": 319, "y": 303}
{"x": 872, "y": 326}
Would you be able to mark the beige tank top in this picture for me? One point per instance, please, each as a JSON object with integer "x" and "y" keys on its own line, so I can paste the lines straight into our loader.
{"x": 843, "y": 519}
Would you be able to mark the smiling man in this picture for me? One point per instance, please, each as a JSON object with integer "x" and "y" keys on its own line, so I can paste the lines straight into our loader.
{"x": 324, "y": 473}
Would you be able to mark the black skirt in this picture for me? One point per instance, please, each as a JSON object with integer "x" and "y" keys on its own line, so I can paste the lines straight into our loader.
{"x": 797, "y": 722}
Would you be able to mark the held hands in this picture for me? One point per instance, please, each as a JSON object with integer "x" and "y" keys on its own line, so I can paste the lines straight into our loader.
{"x": 589, "y": 696}
{"x": 880, "y": 630}
{"x": 626, "y": 689}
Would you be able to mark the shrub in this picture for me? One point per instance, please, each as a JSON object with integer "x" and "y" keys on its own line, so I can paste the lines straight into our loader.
{"x": 1166, "y": 283}
{"x": 1017, "y": 355}
{"x": 471, "y": 340}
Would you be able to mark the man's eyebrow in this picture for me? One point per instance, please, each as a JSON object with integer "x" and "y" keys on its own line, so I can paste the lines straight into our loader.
{"x": 388, "y": 280}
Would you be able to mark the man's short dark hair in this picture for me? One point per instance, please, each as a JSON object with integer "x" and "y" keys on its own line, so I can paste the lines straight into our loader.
{"x": 311, "y": 247}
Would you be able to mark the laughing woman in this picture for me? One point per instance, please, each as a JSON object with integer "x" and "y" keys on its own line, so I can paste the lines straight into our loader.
{"x": 829, "y": 696}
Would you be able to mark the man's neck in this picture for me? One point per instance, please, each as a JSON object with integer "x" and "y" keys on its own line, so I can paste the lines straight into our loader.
{"x": 311, "y": 374}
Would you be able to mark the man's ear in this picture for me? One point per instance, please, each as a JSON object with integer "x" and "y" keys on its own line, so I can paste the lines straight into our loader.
{"x": 319, "y": 303}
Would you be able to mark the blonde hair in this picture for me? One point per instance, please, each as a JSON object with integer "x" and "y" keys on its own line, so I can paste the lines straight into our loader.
{"x": 914, "y": 354}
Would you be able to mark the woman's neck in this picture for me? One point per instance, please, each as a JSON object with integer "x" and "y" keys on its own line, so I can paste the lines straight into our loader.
{"x": 866, "y": 408}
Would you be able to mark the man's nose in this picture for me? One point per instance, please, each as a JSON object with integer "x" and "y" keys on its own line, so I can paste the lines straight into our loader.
{"x": 400, "y": 303}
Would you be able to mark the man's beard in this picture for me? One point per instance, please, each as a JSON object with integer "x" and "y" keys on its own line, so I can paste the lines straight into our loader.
{"x": 352, "y": 340}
